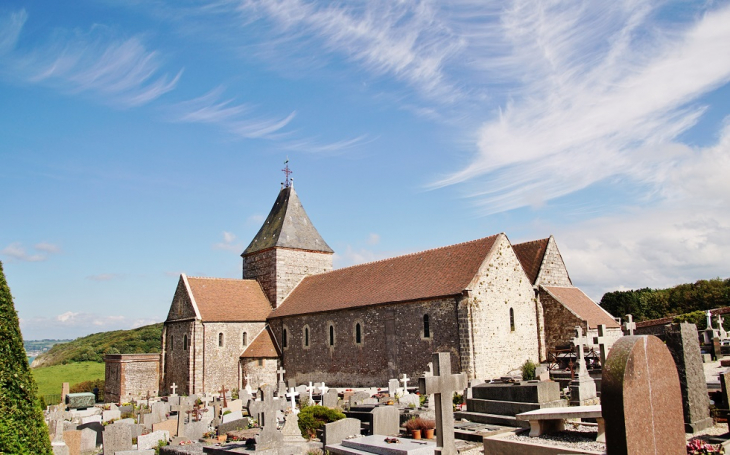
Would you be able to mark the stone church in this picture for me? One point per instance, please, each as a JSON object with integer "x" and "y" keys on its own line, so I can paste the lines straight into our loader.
{"x": 490, "y": 303}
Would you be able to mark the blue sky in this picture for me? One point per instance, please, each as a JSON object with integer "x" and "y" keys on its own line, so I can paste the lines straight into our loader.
{"x": 142, "y": 139}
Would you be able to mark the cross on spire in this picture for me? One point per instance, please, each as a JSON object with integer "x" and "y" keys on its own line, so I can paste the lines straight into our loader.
{"x": 442, "y": 385}
{"x": 287, "y": 172}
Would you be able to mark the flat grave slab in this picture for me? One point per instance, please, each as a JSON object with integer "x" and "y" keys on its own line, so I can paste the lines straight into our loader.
{"x": 376, "y": 444}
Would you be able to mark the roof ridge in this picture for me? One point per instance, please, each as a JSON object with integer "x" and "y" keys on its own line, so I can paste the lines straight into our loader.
{"x": 409, "y": 254}
{"x": 531, "y": 241}
{"x": 219, "y": 278}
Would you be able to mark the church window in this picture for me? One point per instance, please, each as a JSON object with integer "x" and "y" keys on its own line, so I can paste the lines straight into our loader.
{"x": 185, "y": 342}
{"x": 512, "y": 319}
{"x": 426, "y": 327}
{"x": 220, "y": 339}
{"x": 245, "y": 338}
{"x": 261, "y": 362}
{"x": 332, "y": 335}
{"x": 306, "y": 336}
{"x": 358, "y": 334}
{"x": 284, "y": 338}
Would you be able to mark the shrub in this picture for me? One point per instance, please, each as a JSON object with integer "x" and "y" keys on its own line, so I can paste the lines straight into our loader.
{"x": 22, "y": 429}
{"x": 311, "y": 418}
{"x": 412, "y": 424}
{"x": 458, "y": 399}
{"x": 427, "y": 424}
{"x": 528, "y": 370}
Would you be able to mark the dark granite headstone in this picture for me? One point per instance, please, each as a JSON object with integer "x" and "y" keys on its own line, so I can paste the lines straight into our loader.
{"x": 684, "y": 346}
{"x": 642, "y": 401}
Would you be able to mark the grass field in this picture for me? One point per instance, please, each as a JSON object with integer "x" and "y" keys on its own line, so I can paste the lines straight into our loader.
{"x": 51, "y": 379}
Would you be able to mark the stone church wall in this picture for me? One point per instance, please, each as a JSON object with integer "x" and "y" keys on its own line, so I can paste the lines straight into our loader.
{"x": 178, "y": 359}
{"x": 501, "y": 285}
{"x": 221, "y": 363}
{"x": 260, "y": 371}
{"x": 553, "y": 271}
{"x": 392, "y": 343}
{"x": 560, "y": 322}
{"x": 279, "y": 270}
{"x": 130, "y": 376}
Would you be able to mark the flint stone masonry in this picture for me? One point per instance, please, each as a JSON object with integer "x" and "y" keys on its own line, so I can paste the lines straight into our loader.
{"x": 642, "y": 401}
{"x": 682, "y": 342}
{"x": 130, "y": 376}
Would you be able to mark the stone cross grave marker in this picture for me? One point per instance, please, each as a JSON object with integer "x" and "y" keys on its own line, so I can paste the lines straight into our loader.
{"x": 392, "y": 387}
{"x": 582, "y": 387}
{"x": 223, "y": 391}
{"x": 281, "y": 372}
{"x": 642, "y": 402}
{"x": 720, "y": 320}
{"x": 629, "y": 325}
{"x": 310, "y": 389}
{"x": 579, "y": 341}
{"x": 322, "y": 390}
{"x": 248, "y": 386}
{"x": 174, "y": 388}
{"x": 600, "y": 340}
{"x": 404, "y": 379}
{"x": 442, "y": 385}
{"x": 293, "y": 394}
{"x": 709, "y": 319}
{"x": 269, "y": 437}
{"x": 428, "y": 373}
{"x": 281, "y": 386}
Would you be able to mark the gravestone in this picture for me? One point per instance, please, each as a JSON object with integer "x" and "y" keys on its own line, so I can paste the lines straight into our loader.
{"x": 358, "y": 398}
{"x": 330, "y": 399}
{"x": 720, "y": 328}
{"x": 442, "y": 385}
{"x": 80, "y": 400}
{"x": 292, "y": 396}
{"x": 64, "y": 391}
{"x": 291, "y": 433}
{"x": 97, "y": 428}
{"x": 112, "y": 414}
{"x": 235, "y": 405}
{"x": 169, "y": 425}
{"x": 600, "y": 340}
{"x": 682, "y": 342}
{"x": 411, "y": 400}
{"x": 725, "y": 388}
{"x": 270, "y": 437}
{"x": 629, "y": 325}
{"x": 642, "y": 401}
{"x": 404, "y": 379}
{"x": 392, "y": 387}
{"x": 72, "y": 438}
{"x": 244, "y": 396}
{"x": 151, "y": 440}
{"x": 117, "y": 438}
{"x": 236, "y": 415}
{"x": 89, "y": 419}
{"x": 88, "y": 440}
{"x": 281, "y": 388}
{"x": 240, "y": 424}
{"x": 386, "y": 421}
{"x": 582, "y": 387}
{"x": 336, "y": 432}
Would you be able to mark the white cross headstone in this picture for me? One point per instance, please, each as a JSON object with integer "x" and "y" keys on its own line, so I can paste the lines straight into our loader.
{"x": 709, "y": 319}
{"x": 442, "y": 385}
{"x": 248, "y": 385}
{"x": 292, "y": 395}
{"x": 323, "y": 389}
{"x": 174, "y": 388}
{"x": 281, "y": 372}
{"x": 600, "y": 340}
{"x": 404, "y": 379}
{"x": 310, "y": 389}
{"x": 723, "y": 333}
{"x": 629, "y": 325}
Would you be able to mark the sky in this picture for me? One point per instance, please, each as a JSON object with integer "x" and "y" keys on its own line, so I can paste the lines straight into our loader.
{"x": 143, "y": 139}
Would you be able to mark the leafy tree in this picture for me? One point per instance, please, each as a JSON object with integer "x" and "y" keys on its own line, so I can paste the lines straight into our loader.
{"x": 22, "y": 429}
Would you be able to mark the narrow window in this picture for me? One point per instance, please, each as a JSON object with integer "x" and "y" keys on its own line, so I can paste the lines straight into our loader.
{"x": 426, "y": 327}
{"x": 512, "y": 319}
{"x": 332, "y": 335}
{"x": 358, "y": 334}
{"x": 185, "y": 342}
{"x": 245, "y": 338}
{"x": 306, "y": 336}
{"x": 172, "y": 342}
{"x": 283, "y": 338}
{"x": 261, "y": 362}
{"x": 220, "y": 339}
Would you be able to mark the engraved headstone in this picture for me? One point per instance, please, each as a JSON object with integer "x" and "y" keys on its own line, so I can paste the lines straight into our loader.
{"x": 642, "y": 401}
{"x": 330, "y": 399}
{"x": 117, "y": 438}
{"x": 72, "y": 438}
{"x": 392, "y": 387}
{"x": 88, "y": 440}
{"x": 386, "y": 421}
{"x": 169, "y": 425}
{"x": 336, "y": 432}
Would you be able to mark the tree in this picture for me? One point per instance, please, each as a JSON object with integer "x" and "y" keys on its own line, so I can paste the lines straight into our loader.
{"x": 22, "y": 429}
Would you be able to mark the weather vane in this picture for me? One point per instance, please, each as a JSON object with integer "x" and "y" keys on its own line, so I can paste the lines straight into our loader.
{"x": 287, "y": 172}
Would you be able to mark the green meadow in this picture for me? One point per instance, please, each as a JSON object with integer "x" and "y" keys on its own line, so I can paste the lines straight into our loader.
{"x": 51, "y": 379}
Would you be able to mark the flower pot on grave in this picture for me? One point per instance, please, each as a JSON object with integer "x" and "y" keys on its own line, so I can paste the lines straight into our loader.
{"x": 222, "y": 438}
{"x": 427, "y": 433}
{"x": 416, "y": 434}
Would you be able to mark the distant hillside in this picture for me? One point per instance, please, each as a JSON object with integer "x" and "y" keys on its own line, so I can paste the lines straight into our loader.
{"x": 92, "y": 348}
{"x": 678, "y": 301}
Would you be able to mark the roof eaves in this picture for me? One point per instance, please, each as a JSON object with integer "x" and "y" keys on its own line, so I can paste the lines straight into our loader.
{"x": 192, "y": 297}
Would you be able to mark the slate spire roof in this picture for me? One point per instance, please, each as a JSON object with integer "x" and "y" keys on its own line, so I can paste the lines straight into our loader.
{"x": 287, "y": 226}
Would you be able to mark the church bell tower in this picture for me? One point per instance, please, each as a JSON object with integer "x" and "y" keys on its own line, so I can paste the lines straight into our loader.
{"x": 287, "y": 247}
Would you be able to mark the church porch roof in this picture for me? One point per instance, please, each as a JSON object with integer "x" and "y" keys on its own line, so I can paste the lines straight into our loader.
{"x": 262, "y": 347}
{"x": 580, "y": 304}
{"x": 440, "y": 272}
{"x": 229, "y": 299}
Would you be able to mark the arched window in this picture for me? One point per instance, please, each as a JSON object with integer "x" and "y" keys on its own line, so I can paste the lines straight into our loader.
{"x": 332, "y": 335}
{"x": 220, "y": 339}
{"x": 512, "y": 320}
{"x": 245, "y": 338}
{"x": 172, "y": 342}
{"x": 358, "y": 334}
{"x": 185, "y": 342}
{"x": 283, "y": 338}
{"x": 426, "y": 327}
{"x": 306, "y": 336}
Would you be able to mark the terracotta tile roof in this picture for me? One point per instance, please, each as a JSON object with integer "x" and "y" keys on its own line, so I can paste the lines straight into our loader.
{"x": 262, "y": 347}
{"x": 229, "y": 299}
{"x": 531, "y": 255}
{"x": 575, "y": 300}
{"x": 432, "y": 273}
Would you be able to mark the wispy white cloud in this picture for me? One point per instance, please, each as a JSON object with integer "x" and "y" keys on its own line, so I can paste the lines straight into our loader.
{"x": 229, "y": 243}
{"x": 608, "y": 86}
{"x": 104, "y": 277}
{"x": 71, "y": 324}
{"x": 16, "y": 251}
{"x": 373, "y": 239}
{"x": 123, "y": 71}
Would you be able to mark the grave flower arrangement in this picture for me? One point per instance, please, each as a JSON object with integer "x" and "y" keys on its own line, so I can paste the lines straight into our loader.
{"x": 700, "y": 447}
